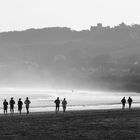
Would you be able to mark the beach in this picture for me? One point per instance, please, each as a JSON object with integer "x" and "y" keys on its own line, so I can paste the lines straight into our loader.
{"x": 110, "y": 124}
{"x": 42, "y": 101}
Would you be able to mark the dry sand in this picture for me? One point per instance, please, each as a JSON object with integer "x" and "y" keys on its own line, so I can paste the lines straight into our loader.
{"x": 73, "y": 125}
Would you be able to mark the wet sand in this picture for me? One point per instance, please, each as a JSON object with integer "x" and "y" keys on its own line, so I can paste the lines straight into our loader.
{"x": 72, "y": 125}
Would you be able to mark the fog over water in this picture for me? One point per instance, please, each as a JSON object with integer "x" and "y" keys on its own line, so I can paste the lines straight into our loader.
{"x": 43, "y": 100}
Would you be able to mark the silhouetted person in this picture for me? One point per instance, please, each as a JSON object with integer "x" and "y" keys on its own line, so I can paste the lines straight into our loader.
{"x": 123, "y": 102}
{"x": 20, "y": 103}
{"x": 27, "y": 103}
{"x": 129, "y": 102}
{"x": 57, "y": 103}
{"x": 12, "y": 102}
{"x": 64, "y": 103}
{"x": 5, "y": 106}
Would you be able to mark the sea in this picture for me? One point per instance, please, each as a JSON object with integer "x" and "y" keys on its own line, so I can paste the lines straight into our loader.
{"x": 43, "y": 100}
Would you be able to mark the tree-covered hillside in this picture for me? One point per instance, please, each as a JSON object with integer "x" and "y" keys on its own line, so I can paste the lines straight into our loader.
{"x": 99, "y": 58}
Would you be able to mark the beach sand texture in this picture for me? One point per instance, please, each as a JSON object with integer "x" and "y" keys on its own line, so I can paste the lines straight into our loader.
{"x": 72, "y": 125}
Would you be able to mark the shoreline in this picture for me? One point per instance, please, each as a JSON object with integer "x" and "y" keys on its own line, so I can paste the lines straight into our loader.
{"x": 72, "y": 111}
{"x": 116, "y": 124}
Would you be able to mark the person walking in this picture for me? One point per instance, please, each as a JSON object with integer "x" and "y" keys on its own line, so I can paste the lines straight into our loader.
{"x": 129, "y": 102}
{"x": 64, "y": 103}
{"x": 20, "y": 103}
{"x": 27, "y": 103}
{"x": 5, "y": 106}
{"x": 57, "y": 103}
{"x": 123, "y": 101}
{"x": 12, "y": 102}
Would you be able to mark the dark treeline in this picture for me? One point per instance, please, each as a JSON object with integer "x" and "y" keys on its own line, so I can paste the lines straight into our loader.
{"x": 107, "y": 57}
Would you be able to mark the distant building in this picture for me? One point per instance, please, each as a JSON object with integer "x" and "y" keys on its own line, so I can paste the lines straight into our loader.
{"x": 99, "y": 27}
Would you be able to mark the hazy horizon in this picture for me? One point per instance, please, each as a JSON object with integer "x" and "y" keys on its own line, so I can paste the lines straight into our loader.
{"x": 82, "y": 44}
{"x": 60, "y": 58}
{"x": 73, "y": 29}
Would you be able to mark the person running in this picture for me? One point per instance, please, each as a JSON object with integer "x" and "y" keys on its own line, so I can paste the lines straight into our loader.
{"x": 5, "y": 106}
{"x": 20, "y": 103}
{"x": 64, "y": 103}
{"x": 57, "y": 103}
{"x": 129, "y": 102}
{"x": 123, "y": 102}
{"x": 27, "y": 103}
{"x": 12, "y": 102}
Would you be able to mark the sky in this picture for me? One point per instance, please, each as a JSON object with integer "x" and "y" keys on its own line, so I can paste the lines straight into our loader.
{"x": 76, "y": 14}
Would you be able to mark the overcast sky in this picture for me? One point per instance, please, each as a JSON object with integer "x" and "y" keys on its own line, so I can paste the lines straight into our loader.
{"x": 77, "y": 14}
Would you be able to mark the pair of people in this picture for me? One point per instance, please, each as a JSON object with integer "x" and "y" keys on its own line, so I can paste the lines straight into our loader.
{"x": 5, "y": 106}
{"x": 57, "y": 103}
{"x": 27, "y": 103}
{"x": 123, "y": 101}
{"x": 12, "y": 103}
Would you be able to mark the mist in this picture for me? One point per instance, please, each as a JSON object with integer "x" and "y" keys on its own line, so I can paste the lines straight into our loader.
{"x": 99, "y": 59}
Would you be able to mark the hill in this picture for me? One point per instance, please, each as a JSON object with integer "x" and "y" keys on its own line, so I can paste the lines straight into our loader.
{"x": 63, "y": 58}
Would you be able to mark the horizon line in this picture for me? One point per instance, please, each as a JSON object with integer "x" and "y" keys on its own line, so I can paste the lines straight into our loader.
{"x": 78, "y": 30}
